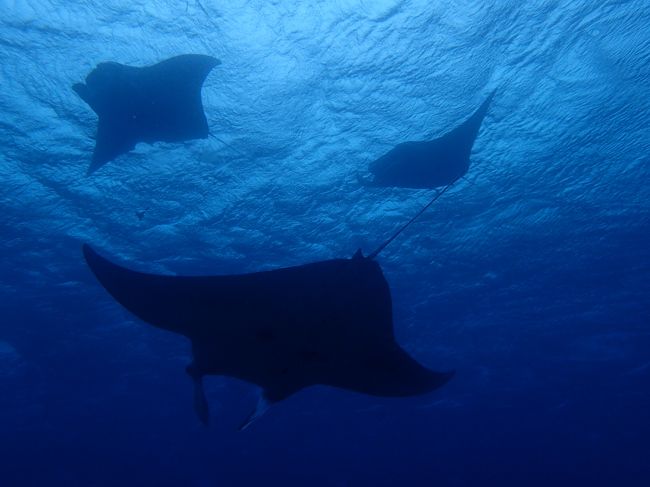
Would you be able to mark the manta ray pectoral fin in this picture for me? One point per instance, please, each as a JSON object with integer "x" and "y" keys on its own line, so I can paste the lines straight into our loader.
{"x": 263, "y": 404}
{"x": 200, "y": 402}
{"x": 110, "y": 143}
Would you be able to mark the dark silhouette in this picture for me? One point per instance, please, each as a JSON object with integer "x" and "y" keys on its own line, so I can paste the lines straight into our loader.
{"x": 433, "y": 163}
{"x": 327, "y": 322}
{"x": 159, "y": 103}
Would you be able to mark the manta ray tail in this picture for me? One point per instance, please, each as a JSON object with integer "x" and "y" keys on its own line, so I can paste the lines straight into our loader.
{"x": 377, "y": 251}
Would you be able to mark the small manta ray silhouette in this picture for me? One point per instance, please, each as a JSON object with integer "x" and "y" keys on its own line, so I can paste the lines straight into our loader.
{"x": 327, "y": 322}
{"x": 430, "y": 163}
{"x": 159, "y": 103}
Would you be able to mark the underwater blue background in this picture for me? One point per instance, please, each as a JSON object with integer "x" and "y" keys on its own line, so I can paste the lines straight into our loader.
{"x": 531, "y": 278}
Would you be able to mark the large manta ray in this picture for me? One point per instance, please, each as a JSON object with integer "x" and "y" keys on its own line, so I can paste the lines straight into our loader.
{"x": 327, "y": 322}
{"x": 430, "y": 163}
{"x": 159, "y": 103}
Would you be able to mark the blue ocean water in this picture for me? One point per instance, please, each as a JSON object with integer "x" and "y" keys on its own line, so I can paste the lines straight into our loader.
{"x": 531, "y": 278}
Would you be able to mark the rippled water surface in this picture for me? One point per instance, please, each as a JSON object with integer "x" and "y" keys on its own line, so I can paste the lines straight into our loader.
{"x": 530, "y": 278}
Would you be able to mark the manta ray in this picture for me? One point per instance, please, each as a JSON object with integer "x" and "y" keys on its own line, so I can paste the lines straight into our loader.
{"x": 327, "y": 322}
{"x": 159, "y": 103}
{"x": 430, "y": 163}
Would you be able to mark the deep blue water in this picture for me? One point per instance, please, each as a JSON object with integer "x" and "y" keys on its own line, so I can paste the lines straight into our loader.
{"x": 531, "y": 279}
